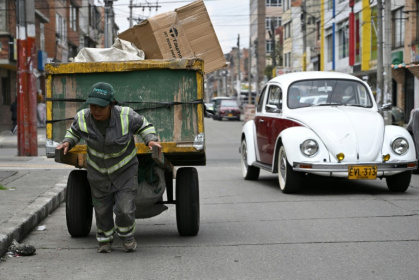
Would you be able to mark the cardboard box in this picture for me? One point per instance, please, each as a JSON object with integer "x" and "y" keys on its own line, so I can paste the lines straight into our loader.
{"x": 184, "y": 33}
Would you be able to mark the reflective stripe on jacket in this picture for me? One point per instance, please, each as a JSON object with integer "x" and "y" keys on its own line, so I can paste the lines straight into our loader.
{"x": 111, "y": 159}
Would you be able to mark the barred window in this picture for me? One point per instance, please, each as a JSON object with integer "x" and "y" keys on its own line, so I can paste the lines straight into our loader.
{"x": 273, "y": 2}
{"x": 73, "y": 17}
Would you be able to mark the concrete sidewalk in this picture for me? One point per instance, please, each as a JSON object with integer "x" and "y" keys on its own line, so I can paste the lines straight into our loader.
{"x": 31, "y": 188}
{"x": 9, "y": 140}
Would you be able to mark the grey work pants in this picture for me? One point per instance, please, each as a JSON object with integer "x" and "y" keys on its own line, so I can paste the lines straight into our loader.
{"x": 122, "y": 203}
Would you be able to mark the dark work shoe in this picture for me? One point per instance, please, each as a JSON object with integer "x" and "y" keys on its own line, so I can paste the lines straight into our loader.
{"x": 129, "y": 245}
{"x": 104, "y": 247}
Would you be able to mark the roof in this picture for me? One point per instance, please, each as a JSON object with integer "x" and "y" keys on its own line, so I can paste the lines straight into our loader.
{"x": 289, "y": 78}
{"x": 315, "y": 75}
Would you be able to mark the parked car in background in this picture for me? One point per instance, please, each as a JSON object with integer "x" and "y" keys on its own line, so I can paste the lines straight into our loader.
{"x": 209, "y": 110}
{"x": 216, "y": 102}
{"x": 343, "y": 136}
{"x": 227, "y": 109}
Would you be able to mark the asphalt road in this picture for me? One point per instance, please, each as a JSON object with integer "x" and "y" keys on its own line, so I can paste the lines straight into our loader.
{"x": 249, "y": 230}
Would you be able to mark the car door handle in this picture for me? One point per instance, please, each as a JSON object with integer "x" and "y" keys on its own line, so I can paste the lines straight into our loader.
{"x": 261, "y": 120}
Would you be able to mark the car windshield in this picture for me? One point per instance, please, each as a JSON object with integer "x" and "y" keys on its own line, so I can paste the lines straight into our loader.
{"x": 328, "y": 92}
{"x": 229, "y": 103}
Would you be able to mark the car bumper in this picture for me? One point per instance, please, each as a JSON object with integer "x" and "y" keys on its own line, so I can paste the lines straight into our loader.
{"x": 311, "y": 167}
{"x": 231, "y": 117}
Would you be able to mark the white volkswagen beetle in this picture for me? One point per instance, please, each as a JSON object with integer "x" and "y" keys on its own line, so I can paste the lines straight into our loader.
{"x": 324, "y": 123}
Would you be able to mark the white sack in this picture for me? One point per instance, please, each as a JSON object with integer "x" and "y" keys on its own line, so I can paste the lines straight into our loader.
{"x": 121, "y": 50}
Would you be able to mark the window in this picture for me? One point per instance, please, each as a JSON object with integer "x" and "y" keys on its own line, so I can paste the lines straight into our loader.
{"x": 274, "y": 99}
{"x": 273, "y": 2}
{"x": 60, "y": 29}
{"x": 318, "y": 30}
{"x": 287, "y": 30}
{"x": 260, "y": 101}
{"x": 269, "y": 46}
{"x": 343, "y": 32}
{"x": 330, "y": 92}
{"x": 398, "y": 28}
{"x": 42, "y": 36}
{"x": 357, "y": 38}
{"x": 329, "y": 42}
{"x": 374, "y": 40}
{"x": 73, "y": 17}
{"x": 287, "y": 59}
{"x": 417, "y": 20}
{"x": 329, "y": 4}
{"x": 287, "y": 5}
{"x": 275, "y": 20}
{"x": 94, "y": 17}
{"x": 72, "y": 50}
{"x": 91, "y": 16}
{"x": 3, "y": 15}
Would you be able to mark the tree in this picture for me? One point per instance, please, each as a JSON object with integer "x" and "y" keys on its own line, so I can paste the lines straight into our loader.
{"x": 268, "y": 71}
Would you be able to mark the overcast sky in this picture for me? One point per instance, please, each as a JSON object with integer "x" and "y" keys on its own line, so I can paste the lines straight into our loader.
{"x": 229, "y": 17}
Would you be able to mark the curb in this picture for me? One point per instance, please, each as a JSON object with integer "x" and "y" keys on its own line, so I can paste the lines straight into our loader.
{"x": 23, "y": 223}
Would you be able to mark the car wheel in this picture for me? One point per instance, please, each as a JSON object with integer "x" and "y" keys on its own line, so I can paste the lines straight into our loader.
{"x": 289, "y": 180}
{"x": 187, "y": 201}
{"x": 399, "y": 182}
{"x": 79, "y": 208}
{"x": 249, "y": 172}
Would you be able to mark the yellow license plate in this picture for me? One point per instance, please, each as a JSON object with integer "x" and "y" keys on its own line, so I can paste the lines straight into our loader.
{"x": 359, "y": 172}
{"x": 230, "y": 115}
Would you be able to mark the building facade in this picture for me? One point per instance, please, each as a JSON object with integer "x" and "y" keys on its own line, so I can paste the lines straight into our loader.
{"x": 341, "y": 35}
{"x": 62, "y": 28}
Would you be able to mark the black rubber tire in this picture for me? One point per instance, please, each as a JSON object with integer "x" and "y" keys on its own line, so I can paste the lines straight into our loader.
{"x": 248, "y": 172}
{"x": 79, "y": 207}
{"x": 289, "y": 180}
{"x": 168, "y": 177}
{"x": 399, "y": 182}
{"x": 187, "y": 201}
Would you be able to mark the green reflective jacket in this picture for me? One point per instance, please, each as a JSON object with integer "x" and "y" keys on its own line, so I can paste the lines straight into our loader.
{"x": 111, "y": 159}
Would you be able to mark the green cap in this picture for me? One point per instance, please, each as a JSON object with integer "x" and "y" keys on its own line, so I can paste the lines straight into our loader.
{"x": 100, "y": 94}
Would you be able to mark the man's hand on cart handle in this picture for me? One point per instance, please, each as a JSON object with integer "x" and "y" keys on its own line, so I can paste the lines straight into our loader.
{"x": 63, "y": 146}
{"x": 152, "y": 144}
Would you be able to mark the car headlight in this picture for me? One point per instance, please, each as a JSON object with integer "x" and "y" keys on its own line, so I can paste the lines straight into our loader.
{"x": 309, "y": 147}
{"x": 400, "y": 145}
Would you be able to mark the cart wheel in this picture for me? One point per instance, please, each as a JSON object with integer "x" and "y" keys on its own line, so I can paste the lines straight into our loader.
{"x": 168, "y": 177}
{"x": 187, "y": 201}
{"x": 79, "y": 209}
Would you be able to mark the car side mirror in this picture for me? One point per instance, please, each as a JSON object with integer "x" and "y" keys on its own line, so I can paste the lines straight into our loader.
{"x": 386, "y": 106}
{"x": 272, "y": 109}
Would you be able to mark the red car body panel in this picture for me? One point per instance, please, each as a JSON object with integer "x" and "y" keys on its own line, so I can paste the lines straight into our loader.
{"x": 267, "y": 130}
